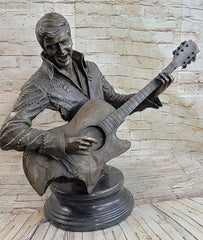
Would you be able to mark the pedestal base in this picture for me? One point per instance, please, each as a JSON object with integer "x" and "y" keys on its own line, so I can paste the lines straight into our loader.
{"x": 71, "y": 208}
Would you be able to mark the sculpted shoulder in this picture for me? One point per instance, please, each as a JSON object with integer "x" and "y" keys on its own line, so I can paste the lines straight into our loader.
{"x": 38, "y": 79}
{"x": 91, "y": 66}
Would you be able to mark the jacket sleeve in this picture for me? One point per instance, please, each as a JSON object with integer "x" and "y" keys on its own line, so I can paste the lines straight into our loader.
{"x": 117, "y": 99}
{"x": 17, "y": 133}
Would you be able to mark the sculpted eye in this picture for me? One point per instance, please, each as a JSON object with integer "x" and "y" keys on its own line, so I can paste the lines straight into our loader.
{"x": 52, "y": 47}
{"x": 66, "y": 42}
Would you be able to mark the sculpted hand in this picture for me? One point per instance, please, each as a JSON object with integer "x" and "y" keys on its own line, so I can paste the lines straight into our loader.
{"x": 165, "y": 80}
{"x": 79, "y": 145}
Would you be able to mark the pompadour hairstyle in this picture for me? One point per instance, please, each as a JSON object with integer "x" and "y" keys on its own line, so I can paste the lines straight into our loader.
{"x": 49, "y": 25}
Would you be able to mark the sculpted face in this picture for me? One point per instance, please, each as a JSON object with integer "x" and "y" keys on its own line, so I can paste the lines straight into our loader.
{"x": 59, "y": 48}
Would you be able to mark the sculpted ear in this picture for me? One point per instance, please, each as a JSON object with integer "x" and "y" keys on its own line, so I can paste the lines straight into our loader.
{"x": 44, "y": 47}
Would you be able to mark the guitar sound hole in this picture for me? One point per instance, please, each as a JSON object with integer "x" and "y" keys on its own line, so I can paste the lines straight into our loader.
{"x": 97, "y": 133}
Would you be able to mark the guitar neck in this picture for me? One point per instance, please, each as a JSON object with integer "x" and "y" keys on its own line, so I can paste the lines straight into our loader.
{"x": 115, "y": 119}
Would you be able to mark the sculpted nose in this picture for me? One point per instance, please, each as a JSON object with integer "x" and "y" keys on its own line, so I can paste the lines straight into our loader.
{"x": 62, "y": 48}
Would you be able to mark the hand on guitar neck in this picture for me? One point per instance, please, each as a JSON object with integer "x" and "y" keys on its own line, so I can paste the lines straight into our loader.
{"x": 164, "y": 80}
{"x": 182, "y": 56}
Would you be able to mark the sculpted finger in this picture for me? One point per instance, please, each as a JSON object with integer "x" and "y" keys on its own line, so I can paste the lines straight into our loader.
{"x": 85, "y": 143}
{"x": 169, "y": 78}
{"x": 83, "y": 148}
{"x": 78, "y": 140}
{"x": 161, "y": 82}
{"x": 161, "y": 78}
{"x": 83, "y": 152}
{"x": 89, "y": 139}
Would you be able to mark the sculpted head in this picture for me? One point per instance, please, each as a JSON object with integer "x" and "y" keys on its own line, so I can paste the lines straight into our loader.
{"x": 54, "y": 35}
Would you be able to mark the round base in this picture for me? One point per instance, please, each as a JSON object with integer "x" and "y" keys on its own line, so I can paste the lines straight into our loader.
{"x": 71, "y": 208}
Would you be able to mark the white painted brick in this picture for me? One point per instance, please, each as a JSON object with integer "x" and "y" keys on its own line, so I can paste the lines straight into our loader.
{"x": 36, "y": 8}
{"x": 141, "y": 62}
{"x": 18, "y": 49}
{"x": 13, "y": 8}
{"x": 135, "y": 145}
{"x": 16, "y": 74}
{"x": 18, "y": 21}
{"x": 64, "y": 9}
{"x": 5, "y": 108}
{"x": 5, "y": 95}
{"x": 18, "y": 35}
{"x": 95, "y": 33}
{"x": 8, "y": 61}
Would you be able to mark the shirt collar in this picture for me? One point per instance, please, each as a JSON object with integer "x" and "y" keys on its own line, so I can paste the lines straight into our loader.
{"x": 49, "y": 67}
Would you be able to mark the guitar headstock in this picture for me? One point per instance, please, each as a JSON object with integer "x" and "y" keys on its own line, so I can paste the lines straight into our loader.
{"x": 185, "y": 53}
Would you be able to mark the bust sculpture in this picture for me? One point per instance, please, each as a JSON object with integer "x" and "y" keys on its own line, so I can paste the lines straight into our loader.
{"x": 76, "y": 152}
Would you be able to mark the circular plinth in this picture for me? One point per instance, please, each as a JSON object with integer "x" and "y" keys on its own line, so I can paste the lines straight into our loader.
{"x": 71, "y": 208}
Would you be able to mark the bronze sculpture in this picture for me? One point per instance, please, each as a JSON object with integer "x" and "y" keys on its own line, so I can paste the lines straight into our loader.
{"x": 78, "y": 151}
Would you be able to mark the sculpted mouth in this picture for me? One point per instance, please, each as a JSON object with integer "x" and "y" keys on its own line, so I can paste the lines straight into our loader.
{"x": 63, "y": 58}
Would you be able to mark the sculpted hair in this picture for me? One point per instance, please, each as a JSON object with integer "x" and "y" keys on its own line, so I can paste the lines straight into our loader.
{"x": 49, "y": 25}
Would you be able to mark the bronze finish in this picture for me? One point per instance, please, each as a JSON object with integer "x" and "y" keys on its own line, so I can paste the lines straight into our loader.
{"x": 75, "y": 88}
{"x": 64, "y": 83}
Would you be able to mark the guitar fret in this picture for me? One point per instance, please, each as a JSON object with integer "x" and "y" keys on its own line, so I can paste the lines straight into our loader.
{"x": 129, "y": 105}
{"x": 144, "y": 93}
{"x": 109, "y": 123}
{"x": 148, "y": 89}
{"x": 151, "y": 87}
{"x": 140, "y": 97}
{"x": 133, "y": 102}
{"x": 104, "y": 125}
{"x": 125, "y": 110}
{"x": 122, "y": 112}
{"x": 113, "y": 120}
{"x": 170, "y": 68}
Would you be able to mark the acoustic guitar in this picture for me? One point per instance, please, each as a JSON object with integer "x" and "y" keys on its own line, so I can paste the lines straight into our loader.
{"x": 100, "y": 120}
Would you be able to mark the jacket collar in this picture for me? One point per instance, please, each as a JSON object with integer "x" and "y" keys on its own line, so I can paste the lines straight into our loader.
{"x": 49, "y": 67}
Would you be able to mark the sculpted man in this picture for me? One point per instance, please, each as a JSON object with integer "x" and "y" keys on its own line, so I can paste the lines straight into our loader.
{"x": 64, "y": 83}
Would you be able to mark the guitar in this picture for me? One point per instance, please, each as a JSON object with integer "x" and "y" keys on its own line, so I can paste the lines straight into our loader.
{"x": 100, "y": 120}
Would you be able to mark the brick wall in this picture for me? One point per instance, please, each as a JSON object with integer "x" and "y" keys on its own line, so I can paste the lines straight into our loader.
{"x": 131, "y": 41}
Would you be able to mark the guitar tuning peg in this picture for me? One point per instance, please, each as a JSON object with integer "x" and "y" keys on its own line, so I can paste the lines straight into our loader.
{"x": 189, "y": 62}
{"x": 174, "y": 52}
{"x": 183, "y": 43}
{"x": 194, "y": 58}
{"x": 184, "y": 66}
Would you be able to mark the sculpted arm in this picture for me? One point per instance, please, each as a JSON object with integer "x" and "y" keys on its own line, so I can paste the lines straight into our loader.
{"x": 17, "y": 133}
{"x": 117, "y": 99}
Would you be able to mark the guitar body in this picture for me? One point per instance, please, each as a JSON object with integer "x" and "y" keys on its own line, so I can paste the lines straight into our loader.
{"x": 41, "y": 170}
